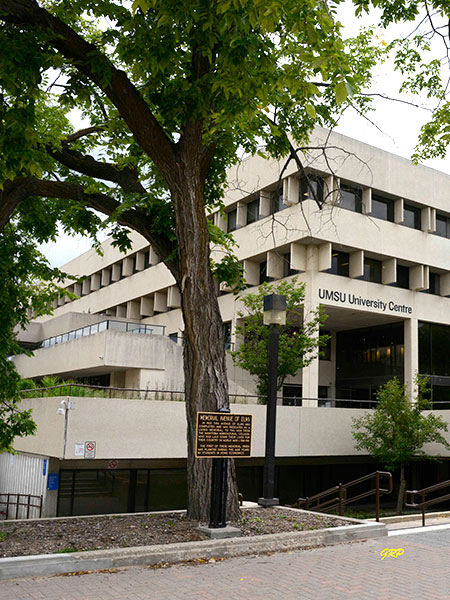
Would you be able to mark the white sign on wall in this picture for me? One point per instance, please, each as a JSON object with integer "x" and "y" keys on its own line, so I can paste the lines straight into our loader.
{"x": 79, "y": 449}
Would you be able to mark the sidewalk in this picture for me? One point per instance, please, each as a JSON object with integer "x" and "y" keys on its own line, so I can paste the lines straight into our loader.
{"x": 340, "y": 572}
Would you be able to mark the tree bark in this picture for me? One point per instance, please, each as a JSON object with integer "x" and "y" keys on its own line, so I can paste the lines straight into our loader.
{"x": 401, "y": 491}
{"x": 206, "y": 382}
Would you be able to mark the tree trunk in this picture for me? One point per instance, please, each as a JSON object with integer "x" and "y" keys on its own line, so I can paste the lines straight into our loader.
{"x": 206, "y": 382}
{"x": 401, "y": 491}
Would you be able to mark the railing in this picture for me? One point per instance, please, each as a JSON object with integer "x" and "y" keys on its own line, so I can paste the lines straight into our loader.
{"x": 107, "y": 324}
{"x": 10, "y": 502}
{"x": 339, "y": 499}
{"x": 424, "y": 504}
{"x": 100, "y": 391}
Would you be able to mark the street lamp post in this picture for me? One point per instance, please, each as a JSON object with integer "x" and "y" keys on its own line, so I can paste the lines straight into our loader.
{"x": 64, "y": 407}
{"x": 274, "y": 315}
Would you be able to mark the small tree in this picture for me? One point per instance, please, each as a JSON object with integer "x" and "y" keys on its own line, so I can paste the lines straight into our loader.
{"x": 395, "y": 431}
{"x": 299, "y": 341}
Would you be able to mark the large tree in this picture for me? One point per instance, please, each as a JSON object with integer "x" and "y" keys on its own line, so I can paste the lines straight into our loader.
{"x": 172, "y": 92}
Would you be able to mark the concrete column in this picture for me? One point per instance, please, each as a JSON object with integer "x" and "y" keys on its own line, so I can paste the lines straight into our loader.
{"x": 251, "y": 272}
{"x": 398, "y": 211}
{"x": 291, "y": 191}
{"x": 325, "y": 256}
{"x": 411, "y": 353}
{"x": 298, "y": 256}
{"x": 275, "y": 265}
{"x": 241, "y": 216}
{"x": 310, "y": 374}
{"x": 367, "y": 201}
{"x": 264, "y": 203}
{"x": 140, "y": 261}
{"x": 127, "y": 266}
{"x": 356, "y": 267}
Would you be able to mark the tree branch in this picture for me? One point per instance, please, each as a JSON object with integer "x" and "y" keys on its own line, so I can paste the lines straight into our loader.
{"x": 22, "y": 187}
{"x": 90, "y": 61}
{"x": 126, "y": 177}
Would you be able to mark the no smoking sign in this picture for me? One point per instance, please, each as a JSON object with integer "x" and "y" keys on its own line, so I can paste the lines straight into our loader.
{"x": 89, "y": 449}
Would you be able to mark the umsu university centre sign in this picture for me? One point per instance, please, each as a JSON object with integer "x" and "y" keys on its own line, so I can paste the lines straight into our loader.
{"x": 354, "y": 300}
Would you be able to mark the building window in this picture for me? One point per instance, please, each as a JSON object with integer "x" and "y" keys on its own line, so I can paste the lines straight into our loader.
{"x": 287, "y": 271}
{"x": 311, "y": 187}
{"x": 227, "y": 334}
{"x": 372, "y": 270}
{"x": 434, "y": 285}
{"x": 434, "y": 349}
{"x": 276, "y": 201}
{"x": 382, "y": 208}
{"x": 411, "y": 216}
{"x": 402, "y": 277}
{"x": 339, "y": 263}
{"x": 232, "y": 220}
{"x": 263, "y": 272}
{"x": 292, "y": 395}
{"x": 173, "y": 337}
{"x": 350, "y": 198}
{"x": 147, "y": 259}
{"x": 325, "y": 351}
{"x": 442, "y": 226}
{"x": 252, "y": 211}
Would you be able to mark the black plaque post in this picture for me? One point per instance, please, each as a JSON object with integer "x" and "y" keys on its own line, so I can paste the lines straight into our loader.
{"x": 219, "y": 490}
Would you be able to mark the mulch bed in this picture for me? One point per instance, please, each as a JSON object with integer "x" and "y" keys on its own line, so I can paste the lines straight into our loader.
{"x": 97, "y": 533}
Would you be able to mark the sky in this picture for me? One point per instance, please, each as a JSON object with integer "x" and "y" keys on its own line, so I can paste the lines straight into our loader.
{"x": 394, "y": 126}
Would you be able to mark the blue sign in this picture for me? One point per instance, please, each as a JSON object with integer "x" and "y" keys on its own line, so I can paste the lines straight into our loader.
{"x": 44, "y": 467}
{"x": 52, "y": 481}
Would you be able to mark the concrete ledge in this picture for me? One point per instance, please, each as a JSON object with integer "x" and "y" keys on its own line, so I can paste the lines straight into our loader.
{"x": 52, "y": 564}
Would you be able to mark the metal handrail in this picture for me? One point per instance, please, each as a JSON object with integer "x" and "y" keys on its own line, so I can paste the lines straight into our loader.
{"x": 9, "y": 502}
{"x": 339, "y": 497}
{"x": 422, "y": 506}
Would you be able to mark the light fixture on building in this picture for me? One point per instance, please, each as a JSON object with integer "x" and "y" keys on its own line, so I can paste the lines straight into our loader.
{"x": 64, "y": 407}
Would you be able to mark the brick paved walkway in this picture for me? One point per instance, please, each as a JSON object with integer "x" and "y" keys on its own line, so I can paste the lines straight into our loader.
{"x": 337, "y": 572}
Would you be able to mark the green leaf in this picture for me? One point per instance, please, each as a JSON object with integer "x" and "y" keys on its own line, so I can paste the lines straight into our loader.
{"x": 311, "y": 111}
{"x": 341, "y": 92}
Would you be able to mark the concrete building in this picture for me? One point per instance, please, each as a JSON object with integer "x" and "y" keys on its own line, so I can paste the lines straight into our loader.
{"x": 375, "y": 255}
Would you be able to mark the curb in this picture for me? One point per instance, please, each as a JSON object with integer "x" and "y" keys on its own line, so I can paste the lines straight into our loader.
{"x": 413, "y": 517}
{"x": 93, "y": 560}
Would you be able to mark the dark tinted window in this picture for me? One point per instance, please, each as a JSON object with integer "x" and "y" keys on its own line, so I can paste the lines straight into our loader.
{"x": 442, "y": 226}
{"x": 227, "y": 334}
{"x": 287, "y": 271}
{"x": 382, "y": 208}
{"x": 402, "y": 277}
{"x": 434, "y": 285}
{"x": 231, "y": 220}
{"x": 325, "y": 350}
{"x": 276, "y": 201}
{"x": 253, "y": 211}
{"x": 434, "y": 349}
{"x": 292, "y": 395}
{"x": 372, "y": 270}
{"x": 411, "y": 216}
{"x": 350, "y": 198}
{"x": 339, "y": 263}
{"x": 263, "y": 272}
{"x": 311, "y": 187}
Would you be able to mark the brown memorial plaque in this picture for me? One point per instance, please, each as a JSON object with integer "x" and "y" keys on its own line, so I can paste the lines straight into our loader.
{"x": 223, "y": 435}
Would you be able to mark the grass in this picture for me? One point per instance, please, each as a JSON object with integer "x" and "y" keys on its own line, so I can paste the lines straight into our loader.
{"x": 3, "y": 535}
{"x": 67, "y": 550}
